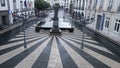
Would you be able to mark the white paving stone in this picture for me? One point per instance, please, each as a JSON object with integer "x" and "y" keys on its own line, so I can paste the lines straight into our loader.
{"x": 13, "y": 53}
{"x": 108, "y": 61}
{"x": 90, "y": 44}
{"x": 30, "y": 59}
{"x": 102, "y": 58}
{"x": 80, "y": 61}
{"x": 16, "y": 43}
{"x": 54, "y": 59}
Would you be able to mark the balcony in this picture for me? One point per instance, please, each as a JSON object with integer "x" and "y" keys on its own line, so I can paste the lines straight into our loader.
{"x": 16, "y": 10}
{"x": 25, "y": 9}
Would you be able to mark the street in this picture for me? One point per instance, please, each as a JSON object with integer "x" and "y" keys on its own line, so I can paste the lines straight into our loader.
{"x": 56, "y": 51}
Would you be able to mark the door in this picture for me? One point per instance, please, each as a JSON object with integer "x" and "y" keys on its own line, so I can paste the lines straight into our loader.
{"x": 98, "y": 22}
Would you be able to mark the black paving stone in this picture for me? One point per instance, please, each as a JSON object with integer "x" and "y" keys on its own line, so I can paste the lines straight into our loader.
{"x": 65, "y": 57}
{"x": 108, "y": 55}
{"x": 18, "y": 58}
{"x": 92, "y": 60}
{"x": 15, "y": 47}
{"x": 42, "y": 61}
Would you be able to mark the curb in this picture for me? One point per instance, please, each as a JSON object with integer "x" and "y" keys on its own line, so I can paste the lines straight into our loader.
{"x": 10, "y": 28}
{"x": 111, "y": 40}
{"x": 14, "y": 26}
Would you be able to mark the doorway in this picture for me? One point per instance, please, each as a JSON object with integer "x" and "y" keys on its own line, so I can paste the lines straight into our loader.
{"x": 99, "y": 17}
{"x": 4, "y": 20}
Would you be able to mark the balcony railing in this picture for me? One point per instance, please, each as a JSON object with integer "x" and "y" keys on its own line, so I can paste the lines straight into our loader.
{"x": 16, "y": 10}
{"x": 25, "y": 9}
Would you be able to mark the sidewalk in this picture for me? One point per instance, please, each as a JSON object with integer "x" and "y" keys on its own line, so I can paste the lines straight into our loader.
{"x": 57, "y": 51}
{"x": 98, "y": 32}
{"x": 15, "y": 25}
{"x": 105, "y": 36}
{"x": 53, "y": 51}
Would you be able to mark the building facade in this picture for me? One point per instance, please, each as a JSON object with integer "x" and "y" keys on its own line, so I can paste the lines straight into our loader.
{"x": 12, "y": 10}
{"x": 4, "y": 16}
{"x": 20, "y": 8}
{"x": 105, "y": 16}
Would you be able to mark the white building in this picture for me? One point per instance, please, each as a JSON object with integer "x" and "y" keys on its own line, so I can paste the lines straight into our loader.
{"x": 106, "y": 14}
{"x": 11, "y": 10}
{"x": 20, "y": 8}
{"x": 4, "y": 16}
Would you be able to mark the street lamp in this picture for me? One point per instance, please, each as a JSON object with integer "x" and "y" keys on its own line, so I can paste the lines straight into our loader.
{"x": 84, "y": 22}
{"x": 25, "y": 45}
{"x": 23, "y": 20}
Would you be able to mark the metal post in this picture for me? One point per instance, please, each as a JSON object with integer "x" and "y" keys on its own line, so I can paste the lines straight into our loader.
{"x": 84, "y": 23}
{"x": 82, "y": 45}
{"x": 25, "y": 45}
{"x": 9, "y": 13}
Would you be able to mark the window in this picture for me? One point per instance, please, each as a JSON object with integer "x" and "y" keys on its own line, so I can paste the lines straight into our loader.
{"x": 90, "y": 3}
{"x": 83, "y": 4}
{"x": 101, "y": 4}
{"x": 80, "y": 4}
{"x": 107, "y": 22}
{"x": 21, "y": 5}
{"x": 110, "y": 2}
{"x": 95, "y": 4}
{"x": 110, "y": 5}
{"x": 14, "y": 5}
{"x": 2, "y": 3}
{"x": 117, "y": 26}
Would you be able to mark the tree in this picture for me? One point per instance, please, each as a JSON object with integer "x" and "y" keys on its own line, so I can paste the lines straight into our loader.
{"x": 47, "y": 5}
{"x": 41, "y": 4}
{"x": 56, "y": 5}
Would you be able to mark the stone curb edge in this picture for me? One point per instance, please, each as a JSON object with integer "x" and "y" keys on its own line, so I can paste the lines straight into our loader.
{"x": 10, "y": 28}
{"x": 113, "y": 41}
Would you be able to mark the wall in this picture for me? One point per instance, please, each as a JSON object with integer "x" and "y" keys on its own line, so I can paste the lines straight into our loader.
{"x": 112, "y": 16}
{"x": 19, "y": 8}
{"x": 5, "y": 7}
